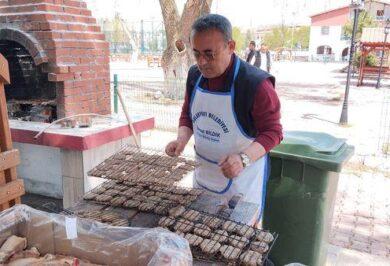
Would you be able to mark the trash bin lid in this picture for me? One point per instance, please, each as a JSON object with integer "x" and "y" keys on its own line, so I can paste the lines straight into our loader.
{"x": 315, "y": 148}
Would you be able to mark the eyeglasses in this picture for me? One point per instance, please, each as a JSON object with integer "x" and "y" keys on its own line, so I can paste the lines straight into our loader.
{"x": 208, "y": 55}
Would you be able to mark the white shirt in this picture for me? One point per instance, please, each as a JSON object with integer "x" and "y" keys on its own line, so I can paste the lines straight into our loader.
{"x": 263, "y": 64}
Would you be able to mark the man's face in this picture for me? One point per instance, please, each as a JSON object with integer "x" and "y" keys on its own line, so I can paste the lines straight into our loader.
{"x": 263, "y": 48}
{"x": 252, "y": 47}
{"x": 212, "y": 52}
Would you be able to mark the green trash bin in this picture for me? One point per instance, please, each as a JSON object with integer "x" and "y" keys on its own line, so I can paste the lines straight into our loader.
{"x": 300, "y": 196}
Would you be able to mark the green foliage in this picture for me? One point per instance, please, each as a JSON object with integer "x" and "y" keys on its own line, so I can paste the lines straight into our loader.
{"x": 371, "y": 60}
{"x": 117, "y": 34}
{"x": 302, "y": 37}
{"x": 283, "y": 36}
{"x": 239, "y": 38}
{"x": 365, "y": 20}
{"x": 277, "y": 37}
{"x": 249, "y": 36}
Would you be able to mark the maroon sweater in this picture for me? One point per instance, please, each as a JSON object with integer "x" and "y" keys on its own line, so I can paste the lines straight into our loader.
{"x": 265, "y": 112}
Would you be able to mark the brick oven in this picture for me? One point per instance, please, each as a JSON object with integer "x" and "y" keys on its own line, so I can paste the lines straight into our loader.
{"x": 59, "y": 66}
{"x": 58, "y": 59}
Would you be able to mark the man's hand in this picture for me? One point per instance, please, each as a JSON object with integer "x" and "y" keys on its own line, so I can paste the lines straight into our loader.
{"x": 175, "y": 148}
{"x": 231, "y": 166}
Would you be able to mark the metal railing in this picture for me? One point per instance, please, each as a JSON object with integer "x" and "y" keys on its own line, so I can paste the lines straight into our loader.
{"x": 161, "y": 99}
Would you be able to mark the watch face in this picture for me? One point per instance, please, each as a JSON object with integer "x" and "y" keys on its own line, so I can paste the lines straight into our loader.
{"x": 245, "y": 159}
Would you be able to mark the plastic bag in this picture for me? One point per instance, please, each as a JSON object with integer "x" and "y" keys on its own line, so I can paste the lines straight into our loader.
{"x": 93, "y": 241}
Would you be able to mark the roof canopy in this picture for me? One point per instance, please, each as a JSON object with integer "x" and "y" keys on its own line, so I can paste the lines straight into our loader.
{"x": 374, "y": 36}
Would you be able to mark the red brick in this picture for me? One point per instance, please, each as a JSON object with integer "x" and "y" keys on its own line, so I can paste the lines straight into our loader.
{"x": 51, "y": 8}
{"x": 49, "y": 44}
{"x": 15, "y": 18}
{"x": 40, "y": 60}
{"x": 74, "y": 47}
{"x": 80, "y": 84}
{"x": 79, "y": 68}
{"x": 94, "y": 28}
{"x": 85, "y": 12}
{"x": 72, "y": 3}
{"x": 60, "y": 69}
{"x": 69, "y": 44}
{"x": 76, "y": 27}
{"x": 40, "y": 17}
{"x": 42, "y": 35}
{"x": 60, "y": 77}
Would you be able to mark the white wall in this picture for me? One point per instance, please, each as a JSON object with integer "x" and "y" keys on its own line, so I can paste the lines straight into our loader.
{"x": 333, "y": 39}
{"x": 374, "y": 6}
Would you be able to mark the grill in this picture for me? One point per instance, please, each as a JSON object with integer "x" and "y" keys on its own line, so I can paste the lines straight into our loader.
{"x": 145, "y": 181}
{"x": 145, "y": 166}
{"x": 220, "y": 245}
{"x": 132, "y": 195}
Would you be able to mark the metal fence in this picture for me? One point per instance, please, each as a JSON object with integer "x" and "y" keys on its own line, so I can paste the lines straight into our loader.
{"x": 161, "y": 99}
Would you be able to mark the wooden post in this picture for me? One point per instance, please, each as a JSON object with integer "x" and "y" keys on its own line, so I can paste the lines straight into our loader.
{"x": 11, "y": 188}
{"x": 361, "y": 66}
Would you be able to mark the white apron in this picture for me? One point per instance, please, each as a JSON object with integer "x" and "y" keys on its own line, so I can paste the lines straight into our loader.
{"x": 217, "y": 133}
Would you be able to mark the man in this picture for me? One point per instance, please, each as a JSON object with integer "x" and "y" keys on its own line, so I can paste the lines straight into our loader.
{"x": 233, "y": 112}
{"x": 265, "y": 58}
{"x": 253, "y": 57}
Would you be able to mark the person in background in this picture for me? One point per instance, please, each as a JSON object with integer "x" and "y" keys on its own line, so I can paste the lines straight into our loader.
{"x": 253, "y": 56}
{"x": 265, "y": 58}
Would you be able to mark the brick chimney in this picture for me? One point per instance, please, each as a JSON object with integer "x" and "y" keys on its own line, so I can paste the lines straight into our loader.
{"x": 66, "y": 48}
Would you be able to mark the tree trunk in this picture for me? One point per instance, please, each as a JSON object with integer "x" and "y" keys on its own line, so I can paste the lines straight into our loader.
{"x": 177, "y": 58}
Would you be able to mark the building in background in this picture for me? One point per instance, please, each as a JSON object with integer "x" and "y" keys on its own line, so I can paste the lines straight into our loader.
{"x": 379, "y": 10}
{"x": 327, "y": 39}
{"x": 328, "y": 42}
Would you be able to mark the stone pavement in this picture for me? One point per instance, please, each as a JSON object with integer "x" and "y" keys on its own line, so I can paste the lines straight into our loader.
{"x": 361, "y": 218}
{"x": 338, "y": 256}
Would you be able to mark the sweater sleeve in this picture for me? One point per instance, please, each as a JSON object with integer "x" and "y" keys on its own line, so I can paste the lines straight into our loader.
{"x": 266, "y": 116}
{"x": 185, "y": 119}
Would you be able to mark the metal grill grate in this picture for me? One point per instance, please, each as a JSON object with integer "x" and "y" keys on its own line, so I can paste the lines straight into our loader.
{"x": 219, "y": 245}
{"x": 144, "y": 166}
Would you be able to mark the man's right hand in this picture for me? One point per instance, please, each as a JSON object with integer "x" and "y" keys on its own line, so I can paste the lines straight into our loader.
{"x": 175, "y": 148}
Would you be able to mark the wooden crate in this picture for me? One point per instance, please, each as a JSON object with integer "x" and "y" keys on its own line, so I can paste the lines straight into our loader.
{"x": 11, "y": 188}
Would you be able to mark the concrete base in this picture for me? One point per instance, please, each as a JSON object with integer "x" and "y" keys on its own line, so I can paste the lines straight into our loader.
{"x": 40, "y": 168}
{"x": 56, "y": 164}
{"x": 61, "y": 173}
{"x": 76, "y": 164}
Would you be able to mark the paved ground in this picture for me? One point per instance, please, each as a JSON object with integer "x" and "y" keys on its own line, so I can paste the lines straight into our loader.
{"x": 361, "y": 218}
{"x": 311, "y": 96}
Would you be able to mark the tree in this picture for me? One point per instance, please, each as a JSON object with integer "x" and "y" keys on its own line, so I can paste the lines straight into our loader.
{"x": 117, "y": 34}
{"x": 239, "y": 38}
{"x": 249, "y": 36}
{"x": 277, "y": 37}
{"x": 301, "y": 37}
{"x": 282, "y": 36}
{"x": 177, "y": 57}
{"x": 365, "y": 20}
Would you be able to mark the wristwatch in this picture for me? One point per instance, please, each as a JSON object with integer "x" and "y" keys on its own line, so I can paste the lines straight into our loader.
{"x": 246, "y": 161}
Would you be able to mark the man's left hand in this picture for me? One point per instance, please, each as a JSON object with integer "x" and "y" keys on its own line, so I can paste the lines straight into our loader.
{"x": 231, "y": 166}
